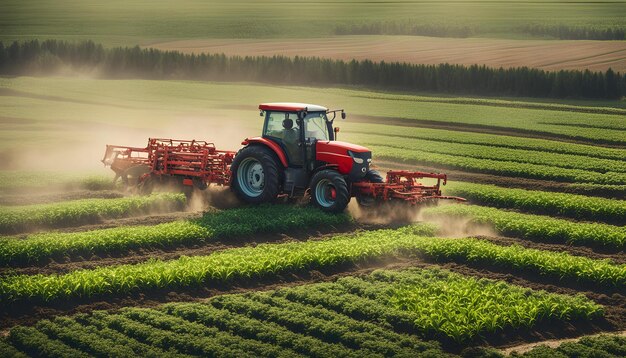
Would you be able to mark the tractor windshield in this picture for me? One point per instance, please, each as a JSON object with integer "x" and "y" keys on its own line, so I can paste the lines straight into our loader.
{"x": 316, "y": 126}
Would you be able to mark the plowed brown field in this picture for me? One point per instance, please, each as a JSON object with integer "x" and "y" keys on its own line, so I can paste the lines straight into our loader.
{"x": 544, "y": 54}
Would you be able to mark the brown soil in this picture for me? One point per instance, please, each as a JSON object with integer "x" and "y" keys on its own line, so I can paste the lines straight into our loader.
{"x": 544, "y": 54}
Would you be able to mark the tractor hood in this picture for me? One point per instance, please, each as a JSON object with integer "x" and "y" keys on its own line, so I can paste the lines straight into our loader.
{"x": 351, "y": 159}
{"x": 338, "y": 147}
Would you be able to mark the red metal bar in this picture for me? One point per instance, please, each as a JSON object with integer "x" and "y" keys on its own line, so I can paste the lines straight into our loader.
{"x": 404, "y": 185}
{"x": 191, "y": 159}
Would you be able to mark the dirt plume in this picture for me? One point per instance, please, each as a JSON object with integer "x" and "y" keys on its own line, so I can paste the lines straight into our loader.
{"x": 399, "y": 213}
{"x": 218, "y": 197}
{"x": 384, "y": 213}
{"x": 460, "y": 227}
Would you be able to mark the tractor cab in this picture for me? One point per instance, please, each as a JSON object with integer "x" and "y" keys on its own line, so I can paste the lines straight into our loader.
{"x": 298, "y": 147}
{"x": 296, "y": 127}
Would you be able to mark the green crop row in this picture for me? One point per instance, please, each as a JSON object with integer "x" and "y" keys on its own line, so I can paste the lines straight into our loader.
{"x": 487, "y": 151}
{"x": 25, "y": 218}
{"x": 540, "y": 202}
{"x": 537, "y": 227}
{"x": 352, "y": 317}
{"x": 609, "y": 346}
{"x": 356, "y": 132}
{"x": 442, "y": 304}
{"x": 210, "y": 329}
{"x": 269, "y": 259}
{"x": 503, "y": 168}
{"x": 213, "y": 225}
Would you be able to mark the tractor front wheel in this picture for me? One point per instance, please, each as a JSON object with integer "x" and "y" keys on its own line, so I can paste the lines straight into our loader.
{"x": 255, "y": 175}
{"x": 329, "y": 191}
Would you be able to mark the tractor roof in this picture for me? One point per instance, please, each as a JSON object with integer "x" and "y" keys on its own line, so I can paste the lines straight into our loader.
{"x": 291, "y": 107}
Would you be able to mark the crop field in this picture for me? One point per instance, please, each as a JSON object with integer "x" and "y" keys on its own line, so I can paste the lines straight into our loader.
{"x": 536, "y": 256}
{"x": 531, "y": 264}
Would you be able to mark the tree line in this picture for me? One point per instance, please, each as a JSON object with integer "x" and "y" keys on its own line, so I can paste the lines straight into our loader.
{"x": 576, "y": 32}
{"x": 52, "y": 57}
{"x": 411, "y": 28}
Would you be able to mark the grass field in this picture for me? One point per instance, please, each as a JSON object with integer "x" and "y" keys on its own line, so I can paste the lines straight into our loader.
{"x": 142, "y": 22}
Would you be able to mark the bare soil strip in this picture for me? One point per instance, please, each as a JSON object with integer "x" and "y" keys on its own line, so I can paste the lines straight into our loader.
{"x": 543, "y": 54}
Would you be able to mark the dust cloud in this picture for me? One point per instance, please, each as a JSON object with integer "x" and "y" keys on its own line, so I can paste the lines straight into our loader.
{"x": 76, "y": 146}
{"x": 400, "y": 213}
{"x": 218, "y": 197}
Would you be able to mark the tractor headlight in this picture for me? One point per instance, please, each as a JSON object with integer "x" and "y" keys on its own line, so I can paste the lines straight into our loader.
{"x": 355, "y": 158}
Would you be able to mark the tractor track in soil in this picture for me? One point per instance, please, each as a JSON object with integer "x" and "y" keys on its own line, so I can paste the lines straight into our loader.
{"x": 507, "y": 182}
{"x": 614, "y": 320}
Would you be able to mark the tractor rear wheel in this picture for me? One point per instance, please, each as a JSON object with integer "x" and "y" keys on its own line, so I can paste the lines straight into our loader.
{"x": 329, "y": 191}
{"x": 255, "y": 175}
{"x": 372, "y": 176}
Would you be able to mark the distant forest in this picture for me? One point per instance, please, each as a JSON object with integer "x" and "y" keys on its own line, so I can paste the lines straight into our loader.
{"x": 54, "y": 57}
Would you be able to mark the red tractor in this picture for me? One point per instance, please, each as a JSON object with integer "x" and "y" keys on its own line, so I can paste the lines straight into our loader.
{"x": 297, "y": 154}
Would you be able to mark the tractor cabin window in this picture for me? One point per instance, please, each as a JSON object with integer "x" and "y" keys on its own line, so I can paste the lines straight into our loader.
{"x": 283, "y": 126}
{"x": 316, "y": 126}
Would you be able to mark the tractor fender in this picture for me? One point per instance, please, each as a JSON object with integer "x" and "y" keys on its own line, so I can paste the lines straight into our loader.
{"x": 271, "y": 145}
{"x": 334, "y": 167}
{"x": 323, "y": 167}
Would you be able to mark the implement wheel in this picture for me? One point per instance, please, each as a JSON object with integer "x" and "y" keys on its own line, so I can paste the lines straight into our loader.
{"x": 255, "y": 175}
{"x": 329, "y": 191}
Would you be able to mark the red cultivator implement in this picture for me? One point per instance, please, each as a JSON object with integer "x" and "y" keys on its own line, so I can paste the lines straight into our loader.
{"x": 404, "y": 185}
{"x": 192, "y": 162}
{"x": 298, "y": 154}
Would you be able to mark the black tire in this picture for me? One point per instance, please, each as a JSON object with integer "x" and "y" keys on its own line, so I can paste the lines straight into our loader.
{"x": 372, "y": 176}
{"x": 261, "y": 167}
{"x": 329, "y": 191}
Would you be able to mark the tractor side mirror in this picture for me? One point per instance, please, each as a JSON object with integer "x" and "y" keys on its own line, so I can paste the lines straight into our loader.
{"x": 343, "y": 116}
{"x": 261, "y": 113}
